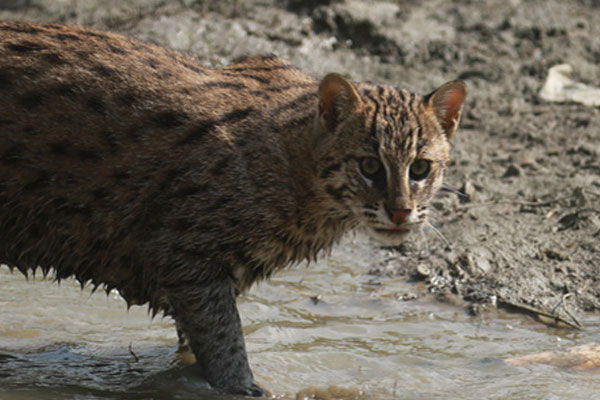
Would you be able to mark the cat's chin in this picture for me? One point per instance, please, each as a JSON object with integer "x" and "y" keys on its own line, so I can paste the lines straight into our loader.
{"x": 388, "y": 237}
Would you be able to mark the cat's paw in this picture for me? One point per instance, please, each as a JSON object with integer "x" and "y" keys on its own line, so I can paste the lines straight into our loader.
{"x": 251, "y": 391}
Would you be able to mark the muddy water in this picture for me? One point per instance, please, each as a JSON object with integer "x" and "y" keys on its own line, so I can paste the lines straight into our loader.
{"x": 324, "y": 325}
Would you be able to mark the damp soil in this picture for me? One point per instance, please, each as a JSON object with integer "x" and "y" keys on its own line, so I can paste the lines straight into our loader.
{"x": 518, "y": 225}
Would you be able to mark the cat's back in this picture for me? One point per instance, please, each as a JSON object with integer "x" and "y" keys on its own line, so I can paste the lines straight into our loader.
{"x": 46, "y": 67}
{"x": 73, "y": 99}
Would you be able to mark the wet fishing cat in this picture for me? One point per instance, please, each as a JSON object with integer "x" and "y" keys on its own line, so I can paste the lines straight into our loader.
{"x": 133, "y": 167}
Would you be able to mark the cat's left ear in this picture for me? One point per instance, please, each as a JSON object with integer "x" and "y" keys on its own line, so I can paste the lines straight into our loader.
{"x": 447, "y": 103}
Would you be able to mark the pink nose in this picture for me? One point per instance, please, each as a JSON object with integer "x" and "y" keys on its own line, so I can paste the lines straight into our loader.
{"x": 398, "y": 216}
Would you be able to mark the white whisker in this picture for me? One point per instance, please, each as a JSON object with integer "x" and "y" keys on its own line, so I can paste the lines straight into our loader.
{"x": 438, "y": 233}
{"x": 453, "y": 190}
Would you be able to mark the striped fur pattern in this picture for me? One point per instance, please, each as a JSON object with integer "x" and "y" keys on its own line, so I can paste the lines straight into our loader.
{"x": 133, "y": 167}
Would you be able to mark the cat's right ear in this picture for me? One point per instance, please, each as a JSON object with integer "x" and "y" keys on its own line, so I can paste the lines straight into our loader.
{"x": 337, "y": 98}
{"x": 447, "y": 103}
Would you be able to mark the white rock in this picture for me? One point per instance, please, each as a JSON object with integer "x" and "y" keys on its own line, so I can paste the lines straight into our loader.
{"x": 559, "y": 87}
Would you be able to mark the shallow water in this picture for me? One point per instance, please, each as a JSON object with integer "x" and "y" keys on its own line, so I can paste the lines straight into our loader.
{"x": 324, "y": 325}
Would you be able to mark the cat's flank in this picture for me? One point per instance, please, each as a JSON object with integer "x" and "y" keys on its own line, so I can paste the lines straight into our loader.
{"x": 133, "y": 167}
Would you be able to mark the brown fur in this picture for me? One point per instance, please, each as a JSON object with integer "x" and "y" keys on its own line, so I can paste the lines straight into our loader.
{"x": 131, "y": 166}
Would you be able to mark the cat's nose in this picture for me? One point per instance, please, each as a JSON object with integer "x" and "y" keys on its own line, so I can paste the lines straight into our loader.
{"x": 398, "y": 216}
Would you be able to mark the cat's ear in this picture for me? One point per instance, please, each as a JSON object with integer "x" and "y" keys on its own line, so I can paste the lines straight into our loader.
{"x": 447, "y": 103}
{"x": 337, "y": 98}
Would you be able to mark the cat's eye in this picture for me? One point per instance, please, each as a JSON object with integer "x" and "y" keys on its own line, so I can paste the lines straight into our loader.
{"x": 370, "y": 166}
{"x": 419, "y": 169}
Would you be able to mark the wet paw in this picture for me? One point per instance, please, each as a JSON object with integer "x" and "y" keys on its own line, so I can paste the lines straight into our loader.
{"x": 252, "y": 391}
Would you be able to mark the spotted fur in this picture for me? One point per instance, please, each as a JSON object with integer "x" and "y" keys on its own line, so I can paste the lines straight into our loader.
{"x": 132, "y": 167}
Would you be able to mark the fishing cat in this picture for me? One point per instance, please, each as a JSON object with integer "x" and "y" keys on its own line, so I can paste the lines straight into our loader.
{"x": 132, "y": 167}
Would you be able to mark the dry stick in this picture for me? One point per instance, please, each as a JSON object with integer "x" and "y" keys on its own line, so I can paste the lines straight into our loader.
{"x": 518, "y": 202}
{"x": 556, "y": 318}
{"x": 592, "y": 192}
{"x": 563, "y": 303}
{"x": 527, "y": 203}
{"x": 593, "y": 210}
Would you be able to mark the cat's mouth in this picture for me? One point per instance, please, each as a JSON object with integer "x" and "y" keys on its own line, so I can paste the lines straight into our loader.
{"x": 394, "y": 229}
{"x": 393, "y": 235}
{"x": 396, "y": 232}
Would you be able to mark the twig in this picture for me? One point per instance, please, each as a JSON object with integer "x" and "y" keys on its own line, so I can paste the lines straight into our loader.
{"x": 537, "y": 312}
{"x": 592, "y": 192}
{"x": 517, "y": 202}
{"x": 563, "y": 303}
{"x": 132, "y": 353}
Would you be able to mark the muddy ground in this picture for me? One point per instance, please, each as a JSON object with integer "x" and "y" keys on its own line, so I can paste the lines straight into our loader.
{"x": 526, "y": 231}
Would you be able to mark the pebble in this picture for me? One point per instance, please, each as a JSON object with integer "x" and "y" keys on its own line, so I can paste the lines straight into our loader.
{"x": 423, "y": 270}
{"x": 406, "y": 296}
{"x": 477, "y": 260}
{"x": 512, "y": 170}
{"x": 469, "y": 190}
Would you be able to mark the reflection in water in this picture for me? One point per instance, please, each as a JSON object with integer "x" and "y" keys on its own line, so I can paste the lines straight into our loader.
{"x": 61, "y": 343}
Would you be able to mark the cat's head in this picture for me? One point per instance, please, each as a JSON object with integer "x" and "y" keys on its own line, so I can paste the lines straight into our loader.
{"x": 382, "y": 151}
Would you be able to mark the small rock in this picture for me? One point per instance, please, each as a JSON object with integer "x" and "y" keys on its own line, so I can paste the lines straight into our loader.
{"x": 450, "y": 257}
{"x": 512, "y": 170}
{"x": 407, "y": 296}
{"x": 483, "y": 264}
{"x": 553, "y": 254}
{"x": 570, "y": 221}
{"x": 589, "y": 149}
{"x": 469, "y": 190}
{"x": 423, "y": 270}
{"x": 477, "y": 260}
{"x": 484, "y": 258}
{"x": 580, "y": 197}
{"x": 525, "y": 159}
{"x": 316, "y": 299}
